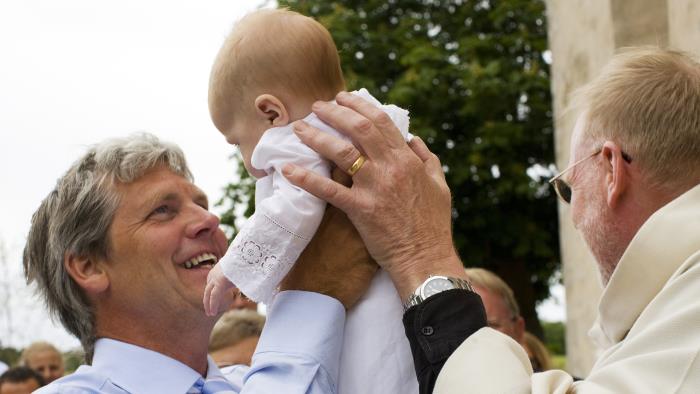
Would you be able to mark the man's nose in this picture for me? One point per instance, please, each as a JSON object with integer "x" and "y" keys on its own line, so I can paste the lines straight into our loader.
{"x": 201, "y": 222}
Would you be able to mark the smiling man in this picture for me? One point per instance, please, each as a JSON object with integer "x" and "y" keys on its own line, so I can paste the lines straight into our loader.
{"x": 121, "y": 249}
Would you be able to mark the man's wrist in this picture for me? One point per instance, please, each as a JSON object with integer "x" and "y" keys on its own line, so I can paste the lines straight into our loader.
{"x": 411, "y": 275}
{"x": 434, "y": 285}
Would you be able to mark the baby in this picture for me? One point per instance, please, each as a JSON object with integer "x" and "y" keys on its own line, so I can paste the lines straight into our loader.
{"x": 271, "y": 68}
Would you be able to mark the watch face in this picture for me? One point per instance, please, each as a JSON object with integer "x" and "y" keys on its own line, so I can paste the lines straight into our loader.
{"x": 436, "y": 285}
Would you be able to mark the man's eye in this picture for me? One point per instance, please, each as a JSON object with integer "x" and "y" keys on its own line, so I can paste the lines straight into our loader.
{"x": 163, "y": 209}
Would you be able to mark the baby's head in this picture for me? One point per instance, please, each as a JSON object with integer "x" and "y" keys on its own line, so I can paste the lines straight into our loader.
{"x": 270, "y": 69}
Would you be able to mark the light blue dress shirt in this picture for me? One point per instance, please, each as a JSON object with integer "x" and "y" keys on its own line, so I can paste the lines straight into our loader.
{"x": 298, "y": 352}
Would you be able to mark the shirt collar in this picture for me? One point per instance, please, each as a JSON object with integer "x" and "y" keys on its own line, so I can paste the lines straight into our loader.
{"x": 656, "y": 252}
{"x": 140, "y": 370}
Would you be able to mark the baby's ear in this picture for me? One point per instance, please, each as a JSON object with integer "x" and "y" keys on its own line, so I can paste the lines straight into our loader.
{"x": 272, "y": 110}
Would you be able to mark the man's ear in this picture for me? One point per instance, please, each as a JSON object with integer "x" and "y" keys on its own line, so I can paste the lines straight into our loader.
{"x": 272, "y": 110}
{"x": 616, "y": 175}
{"x": 87, "y": 272}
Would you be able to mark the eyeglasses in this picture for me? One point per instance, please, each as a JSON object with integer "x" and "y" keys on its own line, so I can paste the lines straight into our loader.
{"x": 563, "y": 189}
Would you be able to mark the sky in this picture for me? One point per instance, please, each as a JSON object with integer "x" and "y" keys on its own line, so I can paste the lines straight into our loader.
{"x": 74, "y": 72}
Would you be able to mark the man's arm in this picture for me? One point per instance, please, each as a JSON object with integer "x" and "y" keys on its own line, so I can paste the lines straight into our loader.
{"x": 400, "y": 204}
{"x": 299, "y": 350}
{"x": 300, "y": 346}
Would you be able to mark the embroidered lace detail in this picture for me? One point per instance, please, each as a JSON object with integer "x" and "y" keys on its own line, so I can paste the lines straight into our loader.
{"x": 289, "y": 231}
{"x": 260, "y": 256}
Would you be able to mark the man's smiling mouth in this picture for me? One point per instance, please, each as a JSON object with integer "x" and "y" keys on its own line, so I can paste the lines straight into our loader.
{"x": 203, "y": 260}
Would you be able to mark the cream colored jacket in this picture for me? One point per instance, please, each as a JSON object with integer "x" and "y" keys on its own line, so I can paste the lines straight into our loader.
{"x": 648, "y": 323}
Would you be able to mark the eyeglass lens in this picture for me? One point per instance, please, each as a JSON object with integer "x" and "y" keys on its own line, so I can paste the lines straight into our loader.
{"x": 563, "y": 190}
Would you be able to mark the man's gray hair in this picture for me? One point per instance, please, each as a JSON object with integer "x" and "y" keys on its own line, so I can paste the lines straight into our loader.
{"x": 74, "y": 219}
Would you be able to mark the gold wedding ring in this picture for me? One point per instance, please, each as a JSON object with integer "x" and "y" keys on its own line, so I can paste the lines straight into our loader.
{"x": 356, "y": 165}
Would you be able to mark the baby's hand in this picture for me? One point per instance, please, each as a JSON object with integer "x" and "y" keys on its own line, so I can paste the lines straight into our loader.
{"x": 217, "y": 290}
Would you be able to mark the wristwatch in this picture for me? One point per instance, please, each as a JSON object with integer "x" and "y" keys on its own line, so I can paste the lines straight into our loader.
{"x": 433, "y": 285}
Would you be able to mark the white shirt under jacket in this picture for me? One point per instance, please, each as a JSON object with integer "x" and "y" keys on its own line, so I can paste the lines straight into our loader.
{"x": 648, "y": 323}
{"x": 376, "y": 353}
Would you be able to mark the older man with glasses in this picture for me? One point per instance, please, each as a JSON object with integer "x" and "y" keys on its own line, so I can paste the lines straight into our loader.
{"x": 634, "y": 194}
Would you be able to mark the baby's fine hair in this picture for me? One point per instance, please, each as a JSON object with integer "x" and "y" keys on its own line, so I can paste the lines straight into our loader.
{"x": 279, "y": 52}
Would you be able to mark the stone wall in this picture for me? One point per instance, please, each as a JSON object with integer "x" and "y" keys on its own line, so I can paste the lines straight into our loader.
{"x": 583, "y": 35}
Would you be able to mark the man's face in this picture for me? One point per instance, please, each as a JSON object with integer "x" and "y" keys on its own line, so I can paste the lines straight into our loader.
{"x": 499, "y": 317}
{"x": 590, "y": 212}
{"x": 161, "y": 227}
{"x": 48, "y": 363}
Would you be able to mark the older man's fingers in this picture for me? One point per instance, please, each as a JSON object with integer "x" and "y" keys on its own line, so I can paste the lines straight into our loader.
{"x": 381, "y": 120}
{"x": 420, "y": 149}
{"x": 326, "y": 189}
{"x": 341, "y": 177}
{"x": 357, "y": 127}
{"x": 431, "y": 161}
{"x": 341, "y": 152}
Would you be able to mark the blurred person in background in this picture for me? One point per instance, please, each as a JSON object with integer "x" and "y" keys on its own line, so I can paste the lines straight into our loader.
{"x": 503, "y": 314}
{"x": 502, "y": 311}
{"x": 44, "y": 358}
{"x": 235, "y": 336}
{"x": 537, "y": 352}
{"x": 20, "y": 380}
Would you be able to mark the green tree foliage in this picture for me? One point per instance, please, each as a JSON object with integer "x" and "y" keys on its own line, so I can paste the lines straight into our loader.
{"x": 10, "y": 355}
{"x": 73, "y": 359}
{"x": 237, "y": 194}
{"x": 473, "y": 76}
{"x": 555, "y": 337}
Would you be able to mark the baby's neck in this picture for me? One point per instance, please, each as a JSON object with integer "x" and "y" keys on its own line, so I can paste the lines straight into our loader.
{"x": 299, "y": 110}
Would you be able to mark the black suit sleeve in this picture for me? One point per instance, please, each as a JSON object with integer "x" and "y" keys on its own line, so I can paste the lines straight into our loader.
{"x": 436, "y": 327}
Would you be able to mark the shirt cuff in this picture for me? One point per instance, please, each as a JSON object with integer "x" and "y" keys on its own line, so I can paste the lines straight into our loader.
{"x": 305, "y": 324}
{"x": 436, "y": 327}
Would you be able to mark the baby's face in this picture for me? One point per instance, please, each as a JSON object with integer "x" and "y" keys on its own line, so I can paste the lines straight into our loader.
{"x": 245, "y": 132}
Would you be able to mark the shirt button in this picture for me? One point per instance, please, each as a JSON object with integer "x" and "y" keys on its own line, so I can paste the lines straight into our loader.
{"x": 427, "y": 331}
